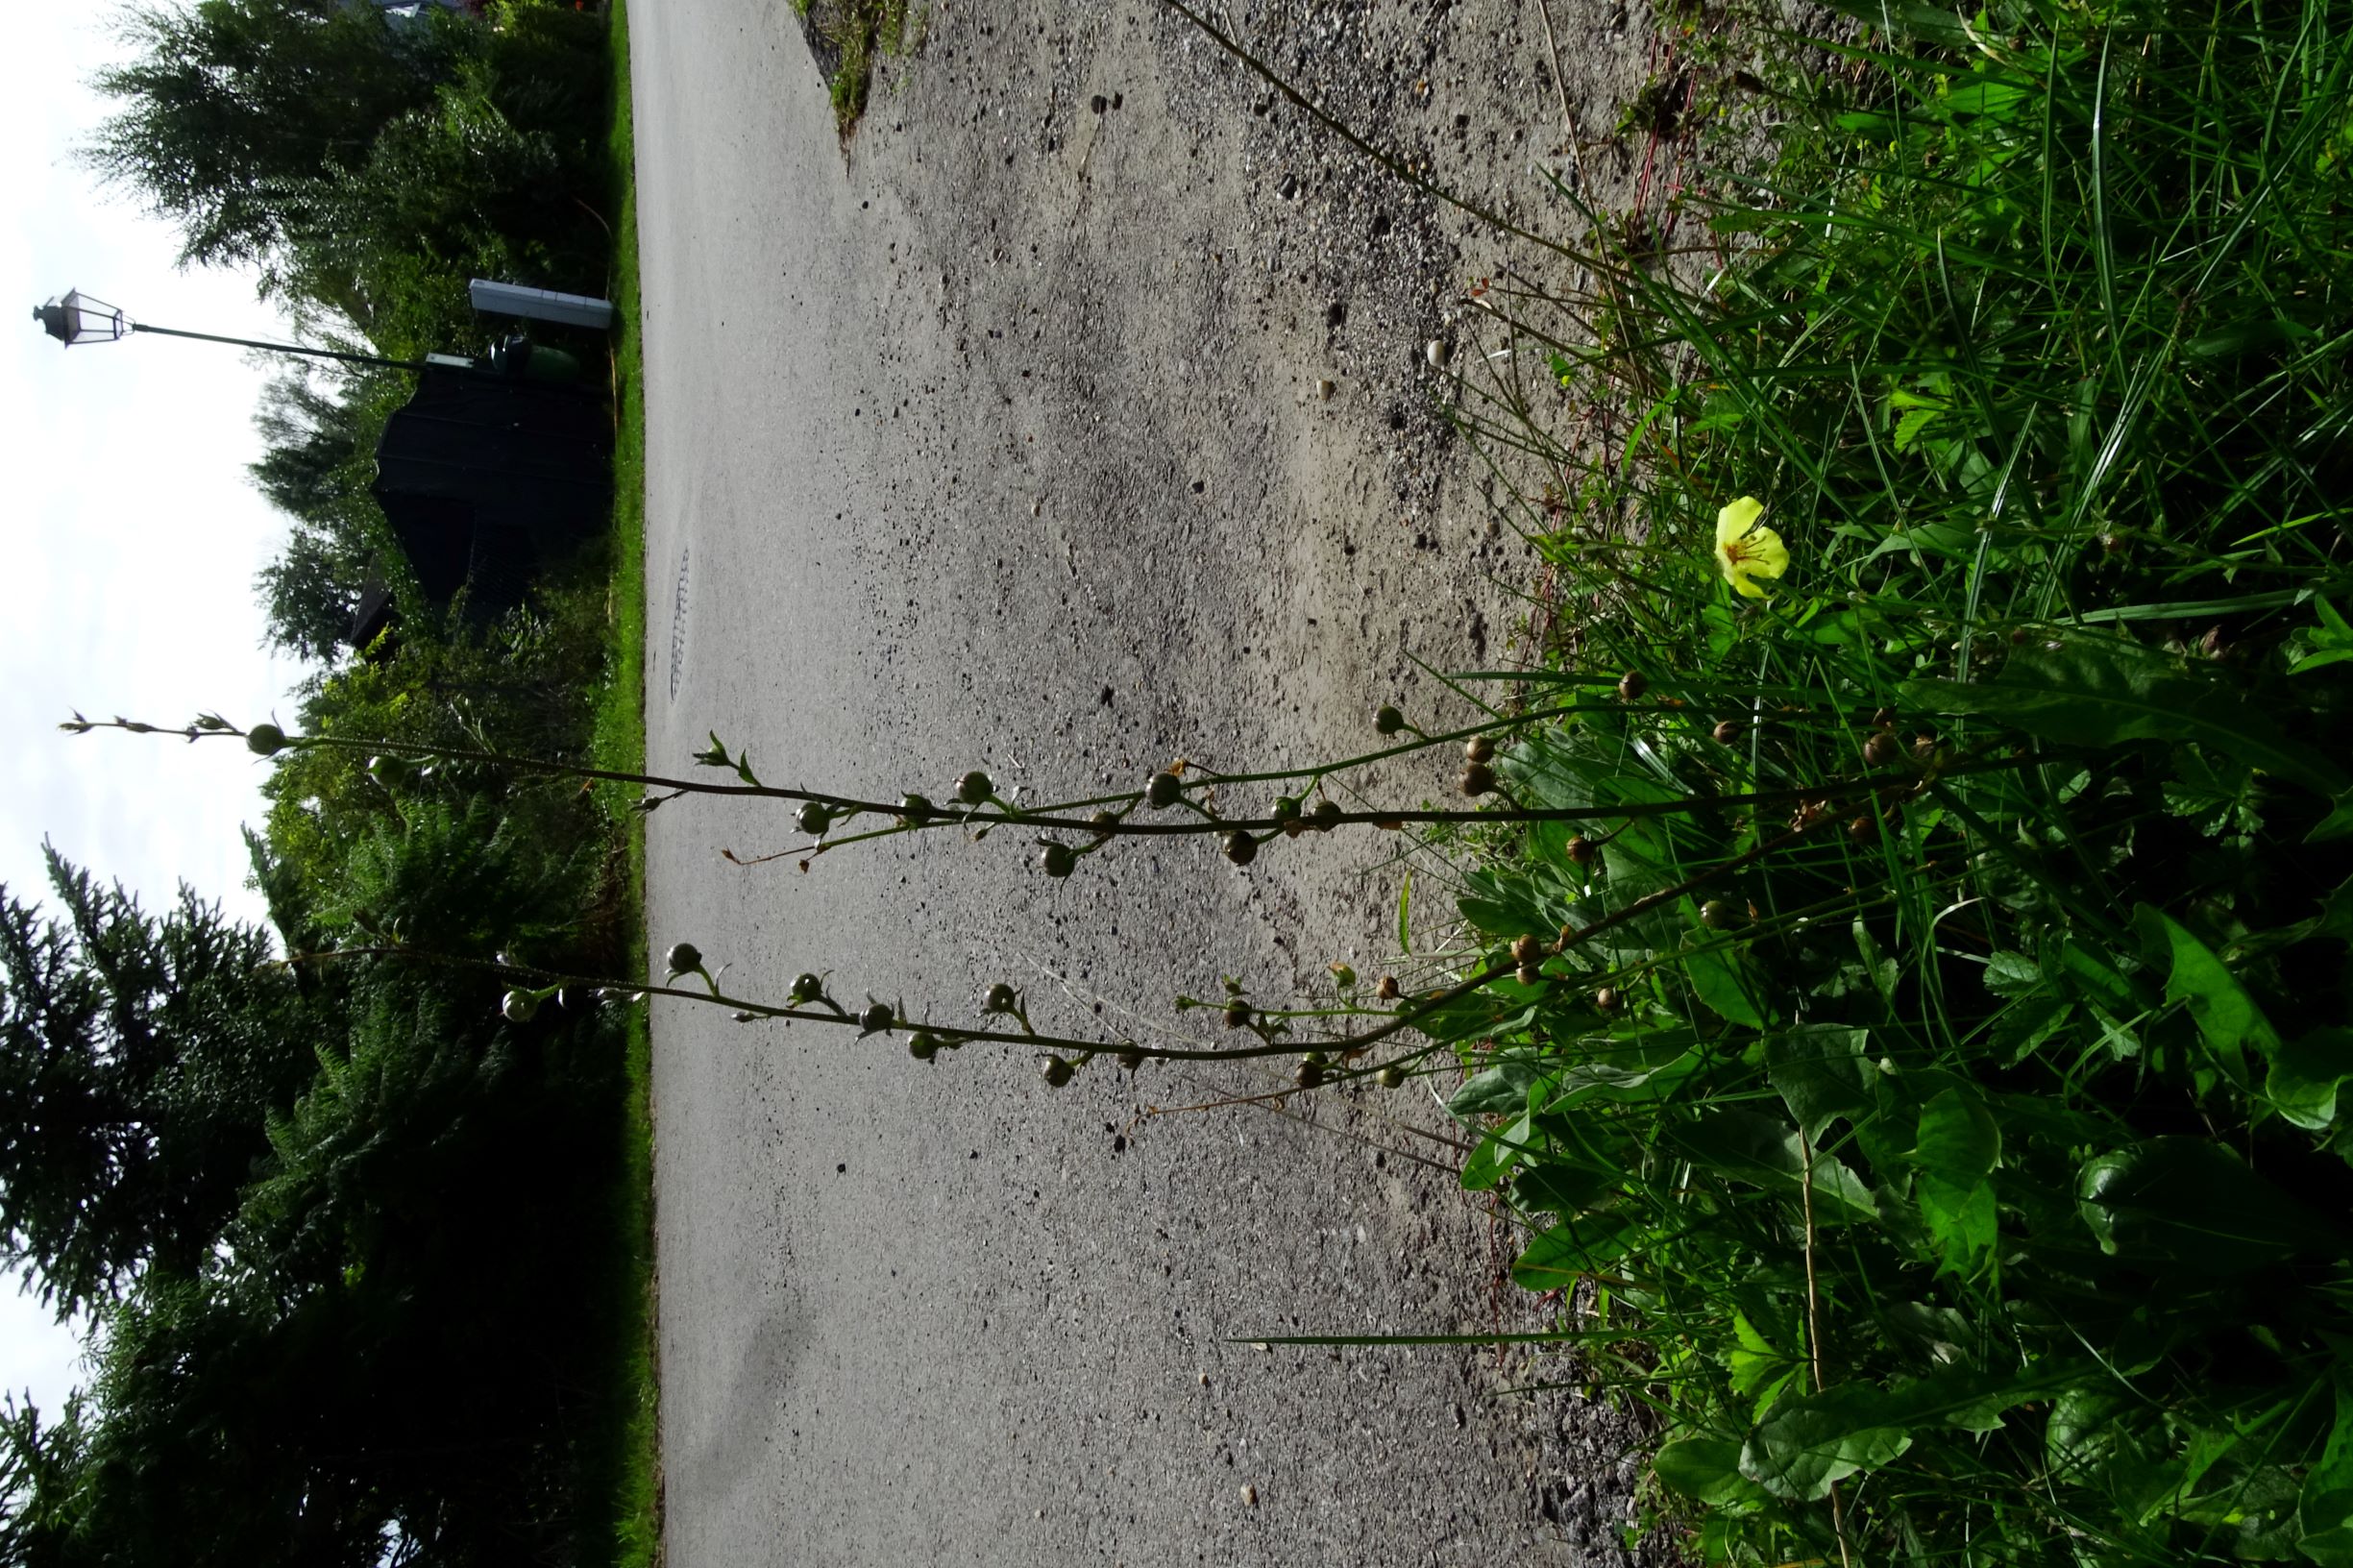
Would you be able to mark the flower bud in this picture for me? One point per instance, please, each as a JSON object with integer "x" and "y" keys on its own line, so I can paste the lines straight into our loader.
{"x": 1343, "y": 976}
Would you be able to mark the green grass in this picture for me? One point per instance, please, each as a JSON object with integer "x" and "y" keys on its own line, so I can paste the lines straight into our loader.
{"x": 862, "y": 30}
{"x": 1955, "y": 1167}
{"x": 622, "y": 1472}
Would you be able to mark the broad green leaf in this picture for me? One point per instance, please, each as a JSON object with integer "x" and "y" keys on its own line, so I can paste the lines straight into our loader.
{"x": 2099, "y": 692}
{"x": 1806, "y": 1445}
{"x": 1728, "y": 983}
{"x": 2011, "y": 975}
{"x": 2190, "y": 1204}
{"x": 1823, "y": 1072}
{"x": 1501, "y": 1087}
{"x": 1560, "y": 1188}
{"x": 1765, "y": 1150}
{"x": 1707, "y": 1469}
{"x": 1579, "y": 1244}
{"x": 2306, "y": 1075}
{"x": 1960, "y": 1143}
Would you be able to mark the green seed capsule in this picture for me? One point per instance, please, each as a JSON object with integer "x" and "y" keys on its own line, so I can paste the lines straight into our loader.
{"x": 807, "y": 989}
{"x": 684, "y": 959}
{"x": 1388, "y": 721}
{"x": 1001, "y": 998}
{"x": 1287, "y": 809}
{"x": 923, "y": 1045}
{"x": 877, "y": 1019}
{"x": 518, "y": 1007}
{"x": 1059, "y": 860}
{"x": 1163, "y": 790}
{"x": 1326, "y": 816}
{"x": 1309, "y": 1074}
{"x": 1241, "y": 848}
{"x": 265, "y": 740}
{"x": 1058, "y": 1073}
{"x": 1391, "y": 1076}
{"x": 1718, "y": 915}
{"x": 812, "y": 819}
{"x": 974, "y": 787}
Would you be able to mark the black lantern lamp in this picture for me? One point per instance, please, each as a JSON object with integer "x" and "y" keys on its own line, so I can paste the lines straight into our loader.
{"x": 77, "y": 318}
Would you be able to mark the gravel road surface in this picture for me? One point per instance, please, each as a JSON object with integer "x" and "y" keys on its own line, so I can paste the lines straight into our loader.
{"x": 996, "y": 439}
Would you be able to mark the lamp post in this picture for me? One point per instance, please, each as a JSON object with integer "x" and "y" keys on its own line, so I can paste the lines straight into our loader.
{"x": 75, "y": 318}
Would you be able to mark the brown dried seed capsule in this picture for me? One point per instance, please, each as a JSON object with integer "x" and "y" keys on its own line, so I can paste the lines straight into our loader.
{"x": 1631, "y": 685}
{"x": 1530, "y": 975}
{"x": 1477, "y": 779}
{"x": 1880, "y": 750}
{"x": 1241, "y": 848}
{"x": 1478, "y": 749}
{"x": 1580, "y": 849}
{"x": 1861, "y": 830}
{"x": 1529, "y": 949}
{"x": 1310, "y": 1074}
{"x": 1884, "y": 718}
{"x": 1237, "y": 1014}
{"x": 1608, "y": 999}
{"x": 1728, "y": 732}
{"x": 1326, "y": 816}
{"x": 1387, "y": 990}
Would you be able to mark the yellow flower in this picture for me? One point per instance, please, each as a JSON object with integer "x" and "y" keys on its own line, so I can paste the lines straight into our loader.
{"x": 1746, "y": 550}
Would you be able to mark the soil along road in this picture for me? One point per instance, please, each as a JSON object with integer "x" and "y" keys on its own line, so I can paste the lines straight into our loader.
{"x": 997, "y": 440}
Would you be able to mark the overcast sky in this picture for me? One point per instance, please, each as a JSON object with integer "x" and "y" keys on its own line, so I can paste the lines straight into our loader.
{"x": 129, "y": 541}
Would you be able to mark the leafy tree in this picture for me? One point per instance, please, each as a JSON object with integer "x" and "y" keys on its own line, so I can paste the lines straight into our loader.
{"x": 320, "y": 440}
{"x": 139, "y": 1061}
{"x": 228, "y": 100}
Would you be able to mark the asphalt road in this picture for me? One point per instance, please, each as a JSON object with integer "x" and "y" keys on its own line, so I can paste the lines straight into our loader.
{"x": 996, "y": 440}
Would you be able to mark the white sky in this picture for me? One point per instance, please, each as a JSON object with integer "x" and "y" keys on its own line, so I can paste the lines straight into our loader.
{"x": 130, "y": 535}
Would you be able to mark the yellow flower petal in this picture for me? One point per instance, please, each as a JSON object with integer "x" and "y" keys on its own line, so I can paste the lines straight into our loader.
{"x": 1746, "y": 550}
